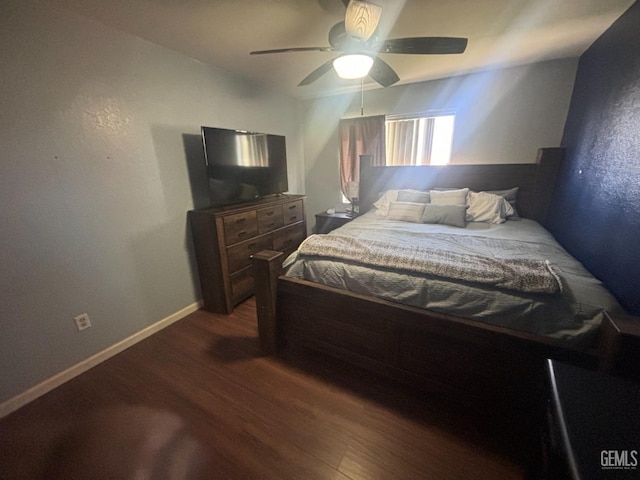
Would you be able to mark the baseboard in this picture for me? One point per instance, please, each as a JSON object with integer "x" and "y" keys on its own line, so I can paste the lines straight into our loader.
{"x": 49, "y": 384}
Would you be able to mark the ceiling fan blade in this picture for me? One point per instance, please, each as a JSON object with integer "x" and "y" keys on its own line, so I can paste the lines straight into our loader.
{"x": 425, "y": 45}
{"x": 294, "y": 49}
{"x": 317, "y": 73}
{"x": 382, "y": 73}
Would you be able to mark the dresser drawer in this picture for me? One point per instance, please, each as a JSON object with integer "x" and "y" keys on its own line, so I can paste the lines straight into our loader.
{"x": 292, "y": 212}
{"x": 242, "y": 284}
{"x": 269, "y": 218}
{"x": 289, "y": 238}
{"x": 239, "y": 256}
{"x": 240, "y": 226}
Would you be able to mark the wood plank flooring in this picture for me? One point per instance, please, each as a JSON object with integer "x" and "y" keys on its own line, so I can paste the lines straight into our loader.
{"x": 261, "y": 417}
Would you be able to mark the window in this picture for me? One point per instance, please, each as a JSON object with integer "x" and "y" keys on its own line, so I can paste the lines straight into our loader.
{"x": 419, "y": 139}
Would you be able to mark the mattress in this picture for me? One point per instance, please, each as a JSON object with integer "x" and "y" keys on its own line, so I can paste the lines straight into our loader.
{"x": 572, "y": 315}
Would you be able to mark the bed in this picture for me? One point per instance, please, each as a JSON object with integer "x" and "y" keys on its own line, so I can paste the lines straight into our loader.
{"x": 476, "y": 343}
{"x": 473, "y": 272}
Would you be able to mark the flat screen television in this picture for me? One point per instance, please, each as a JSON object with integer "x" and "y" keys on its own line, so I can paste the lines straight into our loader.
{"x": 243, "y": 166}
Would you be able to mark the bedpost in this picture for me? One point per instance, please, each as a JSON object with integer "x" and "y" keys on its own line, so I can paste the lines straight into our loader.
{"x": 549, "y": 161}
{"x": 267, "y": 267}
{"x": 620, "y": 346}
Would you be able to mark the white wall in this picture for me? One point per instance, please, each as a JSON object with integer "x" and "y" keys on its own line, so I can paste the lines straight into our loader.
{"x": 100, "y": 155}
{"x": 502, "y": 116}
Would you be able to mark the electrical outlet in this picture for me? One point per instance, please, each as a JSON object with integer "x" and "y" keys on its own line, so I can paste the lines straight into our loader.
{"x": 82, "y": 321}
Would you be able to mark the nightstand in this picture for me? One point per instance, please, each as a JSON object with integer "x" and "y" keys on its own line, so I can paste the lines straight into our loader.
{"x": 325, "y": 222}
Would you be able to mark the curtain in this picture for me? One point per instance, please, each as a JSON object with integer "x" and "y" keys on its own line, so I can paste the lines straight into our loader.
{"x": 358, "y": 136}
{"x": 409, "y": 141}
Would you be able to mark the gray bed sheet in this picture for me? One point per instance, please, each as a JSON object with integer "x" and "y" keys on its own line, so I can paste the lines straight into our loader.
{"x": 573, "y": 316}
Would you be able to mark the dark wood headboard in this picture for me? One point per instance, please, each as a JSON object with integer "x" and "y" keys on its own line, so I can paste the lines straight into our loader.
{"x": 536, "y": 181}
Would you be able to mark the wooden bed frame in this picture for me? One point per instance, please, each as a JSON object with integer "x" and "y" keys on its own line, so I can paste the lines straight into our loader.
{"x": 477, "y": 364}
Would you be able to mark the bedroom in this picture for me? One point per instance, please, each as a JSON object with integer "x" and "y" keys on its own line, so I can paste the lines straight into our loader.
{"x": 83, "y": 237}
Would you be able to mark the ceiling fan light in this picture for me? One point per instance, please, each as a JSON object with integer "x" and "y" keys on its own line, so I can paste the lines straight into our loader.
{"x": 362, "y": 18}
{"x": 352, "y": 66}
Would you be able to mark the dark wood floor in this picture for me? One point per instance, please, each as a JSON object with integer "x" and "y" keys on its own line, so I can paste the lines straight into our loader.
{"x": 260, "y": 417}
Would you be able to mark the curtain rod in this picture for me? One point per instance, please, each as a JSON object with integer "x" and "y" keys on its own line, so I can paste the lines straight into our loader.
{"x": 428, "y": 113}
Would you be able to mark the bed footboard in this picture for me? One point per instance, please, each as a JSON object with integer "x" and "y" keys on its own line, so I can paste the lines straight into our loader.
{"x": 620, "y": 346}
{"x": 403, "y": 341}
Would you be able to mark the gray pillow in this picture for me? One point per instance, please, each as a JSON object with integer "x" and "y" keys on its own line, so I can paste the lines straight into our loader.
{"x": 453, "y": 215}
{"x": 413, "y": 196}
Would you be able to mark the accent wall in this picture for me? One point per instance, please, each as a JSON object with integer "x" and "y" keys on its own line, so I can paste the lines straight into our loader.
{"x": 597, "y": 217}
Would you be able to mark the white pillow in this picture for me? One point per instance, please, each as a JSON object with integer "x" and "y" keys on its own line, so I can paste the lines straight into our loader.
{"x": 511, "y": 196}
{"x": 487, "y": 207}
{"x": 384, "y": 202}
{"x": 449, "y": 197}
{"x": 406, "y": 211}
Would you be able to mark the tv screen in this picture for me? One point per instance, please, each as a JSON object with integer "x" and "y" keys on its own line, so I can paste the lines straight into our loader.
{"x": 243, "y": 166}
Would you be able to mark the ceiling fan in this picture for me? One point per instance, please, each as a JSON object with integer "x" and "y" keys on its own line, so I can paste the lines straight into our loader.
{"x": 357, "y": 41}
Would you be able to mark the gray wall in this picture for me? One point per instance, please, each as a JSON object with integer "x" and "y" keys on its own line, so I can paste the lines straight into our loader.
{"x": 99, "y": 160}
{"x": 502, "y": 116}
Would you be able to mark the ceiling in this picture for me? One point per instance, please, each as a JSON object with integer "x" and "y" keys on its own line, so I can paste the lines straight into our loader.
{"x": 223, "y": 32}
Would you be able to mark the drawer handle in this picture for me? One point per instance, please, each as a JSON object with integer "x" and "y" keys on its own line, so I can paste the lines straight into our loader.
{"x": 270, "y": 213}
{"x": 271, "y": 224}
{"x": 251, "y": 245}
{"x": 242, "y": 234}
{"x": 291, "y": 207}
{"x": 241, "y": 220}
{"x": 289, "y": 230}
{"x": 293, "y": 217}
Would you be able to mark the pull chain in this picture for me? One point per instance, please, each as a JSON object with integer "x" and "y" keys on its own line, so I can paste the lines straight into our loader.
{"x": 362, "y": 97}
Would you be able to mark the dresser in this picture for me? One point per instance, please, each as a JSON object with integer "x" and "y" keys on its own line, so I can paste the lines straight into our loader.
{"x": 225, "y": 238}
